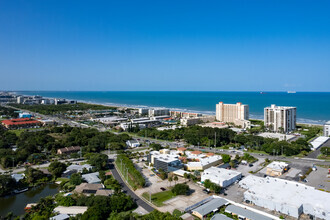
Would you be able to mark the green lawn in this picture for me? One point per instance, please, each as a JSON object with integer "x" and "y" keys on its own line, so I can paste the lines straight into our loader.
{"x": 159, "y": 198}
{"x": 61, "y": 179}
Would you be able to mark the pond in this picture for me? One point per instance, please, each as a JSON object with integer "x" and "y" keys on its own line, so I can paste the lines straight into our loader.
{"x": 16, "y": 203}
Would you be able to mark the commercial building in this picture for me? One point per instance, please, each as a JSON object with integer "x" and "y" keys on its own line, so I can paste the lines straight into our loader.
{"x": 318, "y": 142}
{"x": 237, "y": 114}
{"x": 287, "y": 197}
{"x": 243, "y": 213}
{"x": 326, "y": 129}
{"x": 280, "y": 118}
{"x": 165, "y": 161}
{"x": 276, "y": 168}
{"x": 199, "y": 161}
{"x": 20, "y": 123}
{"x": 220, "y": 217}
{"x": 209, "y": 207}
{"x": 220, "y": 176}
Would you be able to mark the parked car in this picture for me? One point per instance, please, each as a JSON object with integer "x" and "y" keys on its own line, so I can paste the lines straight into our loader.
{"x": 162, "y": 188}
{"x": 206, "y": 191}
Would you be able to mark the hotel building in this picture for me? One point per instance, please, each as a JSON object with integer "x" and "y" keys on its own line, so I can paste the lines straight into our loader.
{"x": 280, "y": 118}
{"x": 233, "y": 113}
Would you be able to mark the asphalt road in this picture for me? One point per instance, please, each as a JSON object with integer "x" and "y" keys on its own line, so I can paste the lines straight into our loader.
{"x": 128, "y": 191}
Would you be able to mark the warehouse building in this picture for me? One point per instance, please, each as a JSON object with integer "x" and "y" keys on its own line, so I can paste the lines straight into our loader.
{"x": 243, "y": 213}
{"x": 209, "y": 207}
{"x": 220, "y": 176}
{"x": 287, "y": 197}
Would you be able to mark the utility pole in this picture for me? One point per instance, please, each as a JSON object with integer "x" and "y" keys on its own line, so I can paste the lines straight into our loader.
{"x": 215, "y": 139}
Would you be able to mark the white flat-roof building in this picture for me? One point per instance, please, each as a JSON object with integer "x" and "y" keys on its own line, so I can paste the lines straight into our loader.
{"x": 233, "y": 113}
{"x": 326, "y": 129}
{"x": 200, "y": 161}
{"x": 276, "y": 168}
{"x": 164, "y": 160}
{"x": 318, "y": 142}
{"x": 287, "y": 197}
{"x": 220, "y": 176}
{"x": 280, "y": 118}
{"x": 279, "y": 136}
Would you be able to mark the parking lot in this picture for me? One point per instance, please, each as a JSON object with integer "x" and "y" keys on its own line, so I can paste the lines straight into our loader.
{"x": 245, "y": 169}
{"x": 319, "y": 179}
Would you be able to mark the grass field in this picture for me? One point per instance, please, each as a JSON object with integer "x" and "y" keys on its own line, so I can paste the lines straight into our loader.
{"x": 159, "y": 198}
{"x": 19, "y": 131}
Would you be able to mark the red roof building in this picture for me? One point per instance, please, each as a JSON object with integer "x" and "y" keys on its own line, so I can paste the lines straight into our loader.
{"x": 20, "y": 123}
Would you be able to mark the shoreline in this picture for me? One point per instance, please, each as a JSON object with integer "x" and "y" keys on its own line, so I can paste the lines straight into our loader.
{"x": 302, "y": 121}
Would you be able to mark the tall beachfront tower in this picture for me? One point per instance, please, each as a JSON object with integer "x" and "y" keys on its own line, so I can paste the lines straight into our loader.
{"x": 280, "y": 118}
{"x": 233, "y": 113}
{"x": 326, "y": 129}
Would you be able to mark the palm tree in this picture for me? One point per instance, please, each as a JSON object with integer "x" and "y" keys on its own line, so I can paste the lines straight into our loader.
{"x": 176, "y": 179}
{"x": 170, "y": 179}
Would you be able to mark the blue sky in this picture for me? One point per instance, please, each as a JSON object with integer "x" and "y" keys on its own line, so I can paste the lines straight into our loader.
{"x": 272, "y": 45}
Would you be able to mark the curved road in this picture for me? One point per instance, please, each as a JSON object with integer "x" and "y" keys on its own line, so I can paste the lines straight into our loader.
{"x": 128, "y": 191}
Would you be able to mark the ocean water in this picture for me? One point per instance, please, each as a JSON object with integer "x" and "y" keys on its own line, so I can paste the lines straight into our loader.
{"x": 312, "y": 107}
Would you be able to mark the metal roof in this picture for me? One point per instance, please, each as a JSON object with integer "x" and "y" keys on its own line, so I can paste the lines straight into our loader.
{"x": 245, "y": 213}
{"x": 220, "y": 217}
{"x": 210, "y": 206}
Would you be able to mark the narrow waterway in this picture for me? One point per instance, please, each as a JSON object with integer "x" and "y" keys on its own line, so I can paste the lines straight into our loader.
{"x": 16, "y": 203}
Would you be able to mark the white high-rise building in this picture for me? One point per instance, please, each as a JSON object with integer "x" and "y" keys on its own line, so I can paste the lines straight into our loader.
{"x": 20, "y": 99}
{"x": 233, "y": 113}
{"x": 326, "y": 129}
{"x": 280, "y": 118}
{"x": 158, "y": 112}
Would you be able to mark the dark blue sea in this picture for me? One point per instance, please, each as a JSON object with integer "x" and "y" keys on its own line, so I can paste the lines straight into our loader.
{"x": 312, "y": 107}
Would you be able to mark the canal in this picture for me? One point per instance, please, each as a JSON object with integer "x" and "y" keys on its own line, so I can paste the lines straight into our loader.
{"x": 16, "y": 203}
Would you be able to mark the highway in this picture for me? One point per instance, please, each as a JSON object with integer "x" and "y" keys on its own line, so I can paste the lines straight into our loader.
{"x": 128, "y": 191}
